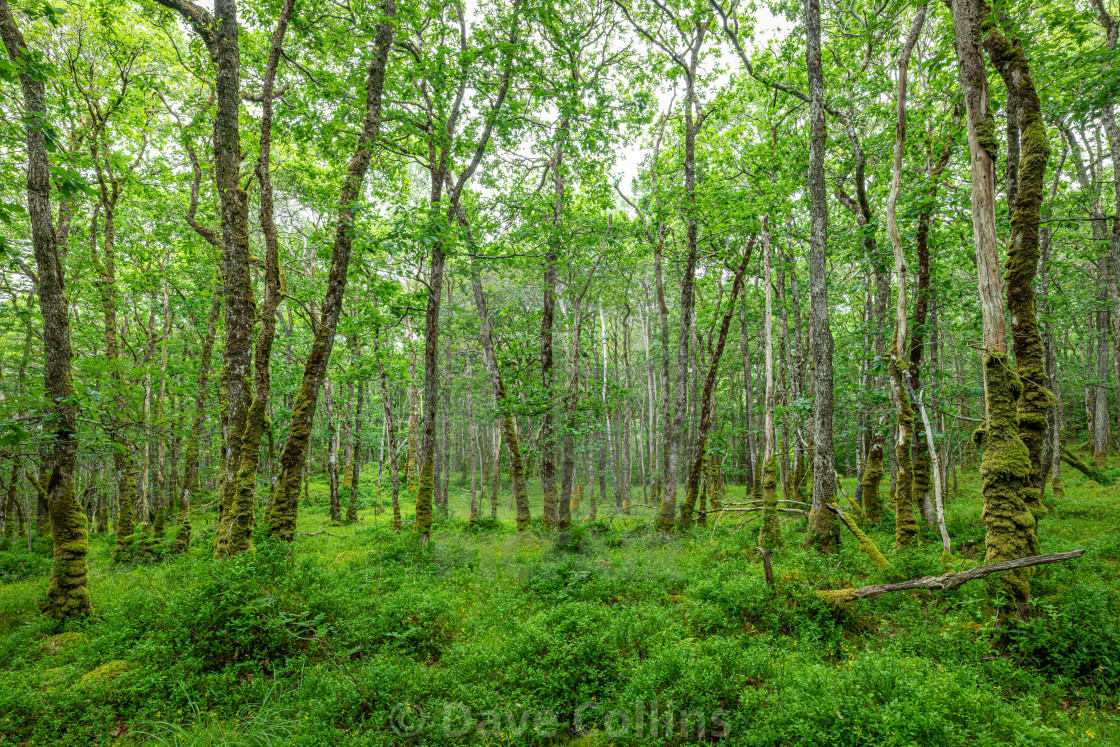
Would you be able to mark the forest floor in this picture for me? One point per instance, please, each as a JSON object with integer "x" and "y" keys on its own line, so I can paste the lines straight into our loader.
{"x": 486, "y": 636}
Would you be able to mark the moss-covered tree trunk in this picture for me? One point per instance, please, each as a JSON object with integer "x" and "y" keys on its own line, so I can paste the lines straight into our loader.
{"x": 220, "y": 34}
{"x": 871, "y": 479}
{"x": 692, "y": 486}
{"x": 11, "y": 501}
{"x": 1005, "y": 464}
{"x": 390, "y": 427}
{"x": 68, "y": 594}
{"x": 356, "y": 452}
{"x": 234, "y": 533}
{"x": 1023, "y": 253}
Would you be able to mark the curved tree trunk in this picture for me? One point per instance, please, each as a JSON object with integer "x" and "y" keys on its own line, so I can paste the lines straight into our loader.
{"x": 1022, "y": 258}
{"x": 906, "y": 528}
{"x": 293, "y": 457}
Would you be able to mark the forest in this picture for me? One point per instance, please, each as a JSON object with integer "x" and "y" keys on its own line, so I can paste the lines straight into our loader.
{"x": 568, "y": 372}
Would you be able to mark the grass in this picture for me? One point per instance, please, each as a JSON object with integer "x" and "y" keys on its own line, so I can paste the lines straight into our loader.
{"x": 360, "y": 636}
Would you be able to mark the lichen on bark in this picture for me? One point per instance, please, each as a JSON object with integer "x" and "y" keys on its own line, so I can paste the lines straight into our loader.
{"x": 1024, "y": 252}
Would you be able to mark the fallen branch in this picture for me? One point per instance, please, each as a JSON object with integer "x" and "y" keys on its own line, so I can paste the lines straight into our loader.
{"x": 1084, "y": 468}
{"x": 865, "y": 542}
{"x": 948, "y": 581}
{"x": 316, "y": 534}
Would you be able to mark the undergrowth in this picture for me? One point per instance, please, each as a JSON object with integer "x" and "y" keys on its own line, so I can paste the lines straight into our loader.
{"x": 609, "y": 634}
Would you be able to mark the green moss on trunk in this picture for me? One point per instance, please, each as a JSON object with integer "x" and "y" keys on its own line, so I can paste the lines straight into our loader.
{"x": 921, "y": 482}
{"x": 241, "y": 517}
{"x": 517, "y": 474}
{"x": 10, "y": 498}
{"x": 423, "y": 522}
{"x": 824, "y": 531}
{"x": 1004, "y": 468}
{"x": 770, "y": 535}
{"x": 68, "y": 593}
{"x": 1023, "y": 253}
{"x": 693, "y": 483}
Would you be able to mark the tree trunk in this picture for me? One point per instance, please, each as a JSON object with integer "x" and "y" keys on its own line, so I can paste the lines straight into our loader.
{"x": 824, "y": 528}
{"x": 1005, "y": 464}
{"x": 906, "y": 529}
{"x": 67, "y": 594}
{"x": 766, "y": 477}
{"x": 390, "y": 426}
{"x": 190, "y": 470}
{"x": 285, "y": 506}
{"x": 332, "y": 449}
{"x": 692, "y": 487}
{"x": 235, "y": 534}
{"x": 356, "y": 451}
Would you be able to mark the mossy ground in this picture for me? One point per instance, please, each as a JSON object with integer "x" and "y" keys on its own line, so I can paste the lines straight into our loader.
{"x": 321, "y": 650}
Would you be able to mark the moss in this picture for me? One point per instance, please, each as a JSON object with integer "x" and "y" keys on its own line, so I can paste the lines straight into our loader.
{"x": 1004, "y": 468}
{"x": 986, "y": 135}
{"x": 702, "y": 511}
{"x": 1023, "y": 253}
{"x": 867, "y": 545}
{"x": 232, "y": 497}
{"x": 54, "y": 679}
{"x": 62, "y": 642}
{"x": 68, "y": 593}
{"x": 692, "y": 494}
{"x": 770, "y": 534}
{"x": 10, "y": 507}
{"x": 837, "y": 597}
{"x": 105, "y": 675}
{"x": 872, "y": 477}
{"x": 824, "y": 531}
{"x": 235, "y": 534}
{"x": 921, "y": 483}
{"x": 293, "y": 464}
{"x": 353, "y": 472}
{"x": 182, "y": 541}
{"x": 517, "y": 473}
